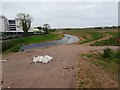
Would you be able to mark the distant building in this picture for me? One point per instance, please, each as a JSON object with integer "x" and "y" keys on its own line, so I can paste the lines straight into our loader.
{"x": 37, "y": 31}
{"x": 12, "y": 25}
{"x": 4, "y": 24}
{"x": 11, "y": 29}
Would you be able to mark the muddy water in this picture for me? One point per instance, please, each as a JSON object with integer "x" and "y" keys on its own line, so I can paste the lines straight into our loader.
{"x": 66, "y": 40}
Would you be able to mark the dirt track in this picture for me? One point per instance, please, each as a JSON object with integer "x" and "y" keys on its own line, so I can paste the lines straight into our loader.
{"x": 18, "y": 72}
{"x": 92, "y": 42}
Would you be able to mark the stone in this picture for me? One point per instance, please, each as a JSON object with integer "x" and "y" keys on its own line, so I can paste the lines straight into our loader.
{"x": 3, "y": 61}
{"x": 65, "y": 67}
{"x": 42, "y": 59}
{"x": 1, "y": 82}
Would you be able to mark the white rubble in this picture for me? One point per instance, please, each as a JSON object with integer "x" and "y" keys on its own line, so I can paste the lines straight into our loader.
{"x": 42, "y": 59}
{"x": 35, "y": 59}
{"x": 3, "y": 61}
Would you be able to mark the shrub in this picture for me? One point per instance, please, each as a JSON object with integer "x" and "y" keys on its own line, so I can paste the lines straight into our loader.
{"x": 6, "y": 45}
{"x": 108, "y": 53}
{"x": 98, "y": 27}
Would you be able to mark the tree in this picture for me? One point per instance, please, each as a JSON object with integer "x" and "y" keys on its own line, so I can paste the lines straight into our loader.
{"x": 39, "y": 27}
{"x": 46, "y": 27}
{"x": 24, "y": 22}
{"x": 98, "y": 27}
{"x": 108, "y": 53}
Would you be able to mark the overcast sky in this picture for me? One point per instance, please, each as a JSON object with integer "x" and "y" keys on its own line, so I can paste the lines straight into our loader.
{"x": 65, "y": 14}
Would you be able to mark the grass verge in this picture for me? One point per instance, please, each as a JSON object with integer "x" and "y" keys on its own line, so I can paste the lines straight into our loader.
{"x": 114, "y": 41}
{"x": 109, "y": 64}
{"x": 14, "y": 45}
{"x": 87, "y": 35}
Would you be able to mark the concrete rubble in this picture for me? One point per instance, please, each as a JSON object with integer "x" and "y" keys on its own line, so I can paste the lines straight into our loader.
{"x": 42, "y": 59}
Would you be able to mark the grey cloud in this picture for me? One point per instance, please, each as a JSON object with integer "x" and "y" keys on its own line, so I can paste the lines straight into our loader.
{"x": 66, "y": 14}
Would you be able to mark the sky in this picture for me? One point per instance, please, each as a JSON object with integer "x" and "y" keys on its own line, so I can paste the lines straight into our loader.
{"x": 65, "y": 14}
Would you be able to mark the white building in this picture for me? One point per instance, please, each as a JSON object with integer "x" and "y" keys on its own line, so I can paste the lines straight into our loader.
{"x": 4, "y": 24}
{"x": 10, "y": 25}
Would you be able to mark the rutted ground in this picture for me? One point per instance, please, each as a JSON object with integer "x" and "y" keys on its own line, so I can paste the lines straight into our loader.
{"x": 62, "y": 72}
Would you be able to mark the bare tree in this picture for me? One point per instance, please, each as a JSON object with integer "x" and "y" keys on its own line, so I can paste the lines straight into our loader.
{"x": 46, "y": 27}
{"x": 24, "y": 22}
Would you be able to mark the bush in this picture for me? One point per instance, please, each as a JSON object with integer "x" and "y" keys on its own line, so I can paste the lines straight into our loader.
{"x": 98, "y": 27}
{"x": 7, "y": 45}
{"x": 13, "y": 49}
{"x": 108, "y": 53}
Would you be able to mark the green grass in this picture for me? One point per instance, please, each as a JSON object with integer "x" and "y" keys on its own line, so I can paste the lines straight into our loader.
{"x": 114, "y": 41}
{"x": 109, "y": 64}
{"x": 114, "y": 33}
{"x": 88, "y": 35}
{"x": 110, "y": 42}
{"x": 92, "y": 34}
{"x": 14, "y": 45}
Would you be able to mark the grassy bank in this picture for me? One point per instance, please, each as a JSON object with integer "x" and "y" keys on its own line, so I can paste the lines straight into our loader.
{"x": 98, "y": 68}
{"x": 114, "y": 41}
{"x": 14, "y": 45}
{"x": 110, "y": 64}
{"x": 88, "y": 35}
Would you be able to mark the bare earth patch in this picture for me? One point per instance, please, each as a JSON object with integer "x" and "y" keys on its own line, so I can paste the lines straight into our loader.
{"x": 62, "y": 72}
{"x": 91, "y": 76}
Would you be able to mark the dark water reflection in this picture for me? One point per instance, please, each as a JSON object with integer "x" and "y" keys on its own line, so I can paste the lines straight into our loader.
{"x": 66, "y": 40}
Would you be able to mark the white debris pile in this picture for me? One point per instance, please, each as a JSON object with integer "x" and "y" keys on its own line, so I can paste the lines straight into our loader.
{"x": 3, "y": 61}
{"x": 42, "y": 59}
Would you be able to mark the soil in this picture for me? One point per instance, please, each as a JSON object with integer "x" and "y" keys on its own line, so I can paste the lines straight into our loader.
{"x": 92, "y": 76}
{"x": 62, "y": 72}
